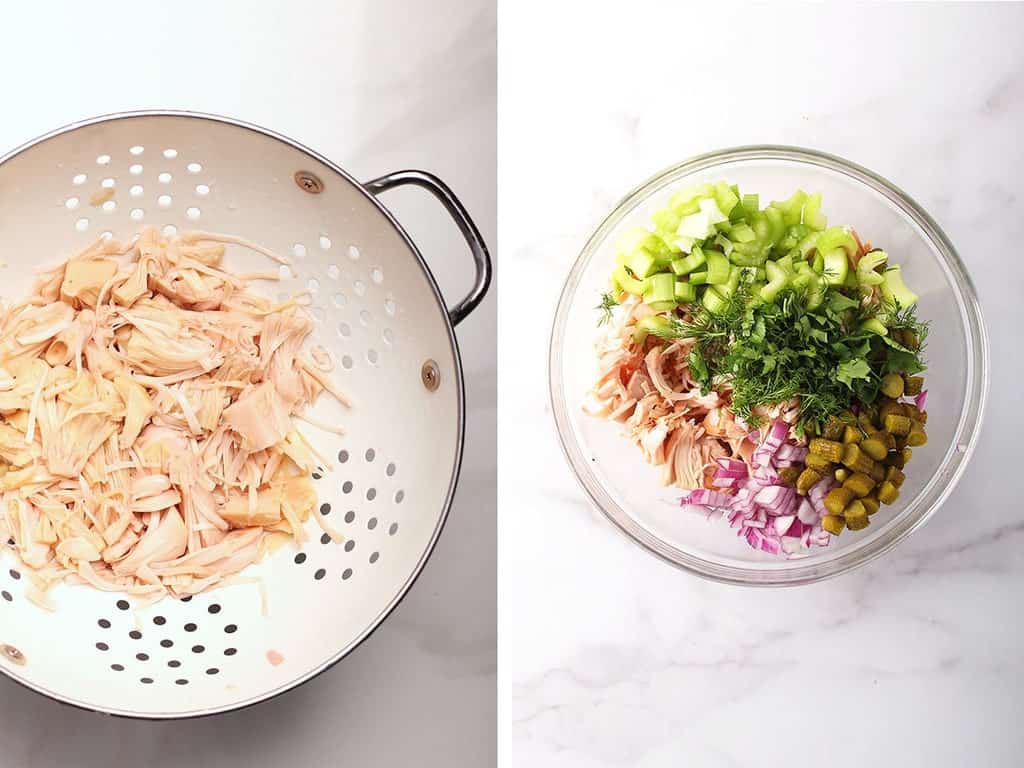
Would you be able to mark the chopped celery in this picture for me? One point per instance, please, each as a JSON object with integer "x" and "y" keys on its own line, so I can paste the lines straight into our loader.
{"x": 792, "y": 208}
{"x": 701, "y": 225}
{"x": 662, "y": 306}
{"x": 725, "y": 197}
{"x": 874, "y": 325}
{"x": 724, "y": 243}
{"x": 813, "y": 217}
{"x": 718, "y": 268}
{"x": 742, "y": 233}
{"x": 685, "y": 292}
{"x": 802, "y": 279}
{"x": 643, "y": 264}
{"x": 666, "y": 222}
{"x": 728, "y": 288}
{"x": 659, "y": 287}
{"x": 713, "y": 301}
{"x": 795, "y": 235}
{"x": 638, "y": 238}
{"x": 866, "y": 273}
{"x": 751, "y": 203}
{"x": 627, "y": 282}
{"x": 698, "y": 278}
{"x": 895, "y": 290}
{"x": 683, "y": 243}
{"x": 653, "y": 324}
{"x": 685, "y": 201}
{"x": 777, "y": 280}
{"x": 818, "y": 264}
{"x": 689, "y": 263}
{"x": 837, "y": 267}
{"x": 837, "y": 237}
{"x": 815, "y": 295}
{"x": 776, "y": 223}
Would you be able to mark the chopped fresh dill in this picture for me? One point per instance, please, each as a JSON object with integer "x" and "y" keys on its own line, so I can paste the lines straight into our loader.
{"x": 770, "y": 353}
{"x": 605, "y": 307}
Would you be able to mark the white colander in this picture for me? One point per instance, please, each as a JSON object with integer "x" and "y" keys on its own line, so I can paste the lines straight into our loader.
{"x": 389, "y": 480}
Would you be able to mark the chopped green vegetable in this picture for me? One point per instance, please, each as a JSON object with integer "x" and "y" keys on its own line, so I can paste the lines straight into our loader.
{"x": 607, "y": 303}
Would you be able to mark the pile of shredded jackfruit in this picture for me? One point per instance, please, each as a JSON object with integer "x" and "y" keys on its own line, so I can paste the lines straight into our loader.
{"x": 147, "y": 419}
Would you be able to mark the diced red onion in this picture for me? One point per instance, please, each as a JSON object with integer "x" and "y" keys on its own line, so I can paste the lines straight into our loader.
{"x": 770, "y": 516}
{"x": 732, "y": 465}
{"x": 807, "y": 513}
{"x": 920, "y": 399}
{"x": 773, "y": 495}
{"x": 783, "y": 523}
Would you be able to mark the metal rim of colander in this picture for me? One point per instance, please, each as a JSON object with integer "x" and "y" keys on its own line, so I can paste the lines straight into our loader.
{"x": 461, "y": 397}
{"x": 917, "y": 511}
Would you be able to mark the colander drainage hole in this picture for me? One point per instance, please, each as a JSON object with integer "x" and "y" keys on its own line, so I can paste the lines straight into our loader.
{"x": 374, "y": 557}
{"x": 371, "y": 523}
{"x": 215, "y": 608}
{"x": 190, "y": 627}
{"x": 390, "y": 470}
{"x": 7, "y": 596}
{"x": 181, "y": 681}
{"x": 325, "y": 538}
{"x": 104, "y": 623}
{"x": 350, "y": 516}
{"x": 342, "y": 456}
{"x": 159, "y": 620}
{"x": 371, "y": 494}
{"x": 325, "y": 509}
{"x": 135, "y": 634}
{"x": 230, "y": 651}
{"x": 393, "y": 529}
{"x": 167, "y": 643}
{"x": 142, "y": 656}
{"x": 300, "y": 558}
{"x": 320, "y": 573}
{"x": 117, "y": 667}
{"x": 346, "y": 574}
{"x": 173, "y": 663}
{"x": 350, "y": 545}
{"x": 146, "y": 680}
{"x": 102, "y": 647}
{"x": 198, "y": 648}
{"x": 15, "y": 574}
{"x": 212, "y": 671}
{"x": 231, "y": 629}
{"x": 346, "y": 487}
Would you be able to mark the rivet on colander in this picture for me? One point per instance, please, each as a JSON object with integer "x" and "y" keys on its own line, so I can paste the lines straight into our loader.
{"x": 309, "y": 182}
{"x": 431, "y": 375}
{"x": 13, "y": 654}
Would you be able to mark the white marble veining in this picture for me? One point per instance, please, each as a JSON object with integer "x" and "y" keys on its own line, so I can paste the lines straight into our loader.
{"x": 609, "y": 657}
{"x": 377, "y": 86}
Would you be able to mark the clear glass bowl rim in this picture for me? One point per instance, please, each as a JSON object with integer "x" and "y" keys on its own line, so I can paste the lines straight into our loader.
{"x": 917, "y": 511}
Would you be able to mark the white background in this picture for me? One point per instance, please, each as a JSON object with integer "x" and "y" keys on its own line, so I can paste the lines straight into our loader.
{"x": 609, "y": 657}
{"x": 376, "y": 85}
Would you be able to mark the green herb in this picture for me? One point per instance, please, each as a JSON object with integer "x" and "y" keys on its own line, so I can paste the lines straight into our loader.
{"x": 772, "y": 352}
{"x": 605, "y": 307}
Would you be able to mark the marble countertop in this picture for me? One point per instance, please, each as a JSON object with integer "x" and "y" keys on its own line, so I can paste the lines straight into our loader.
{"x": 609, "y": 657}
{"x": 376, "y": 86}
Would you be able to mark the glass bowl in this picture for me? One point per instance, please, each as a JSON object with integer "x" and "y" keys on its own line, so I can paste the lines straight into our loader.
{"x": 627, "y": 490}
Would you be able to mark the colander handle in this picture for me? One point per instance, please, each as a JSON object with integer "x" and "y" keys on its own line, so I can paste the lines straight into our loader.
{"x": 440, "y": 190}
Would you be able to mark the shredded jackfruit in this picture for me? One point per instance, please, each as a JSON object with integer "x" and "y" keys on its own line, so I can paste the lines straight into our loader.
{"x": 148, "y": 407}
